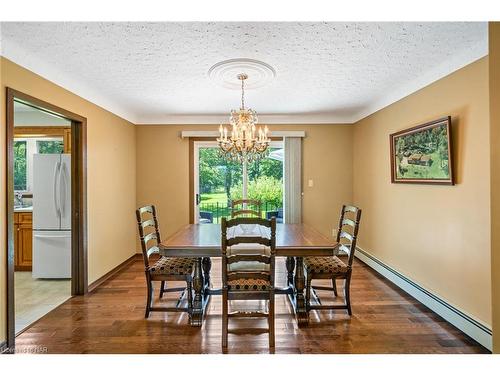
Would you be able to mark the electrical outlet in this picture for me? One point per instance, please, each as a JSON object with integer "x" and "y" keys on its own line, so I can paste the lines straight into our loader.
{"x": 310, "y": 183}
{"x": 334, "y": 232}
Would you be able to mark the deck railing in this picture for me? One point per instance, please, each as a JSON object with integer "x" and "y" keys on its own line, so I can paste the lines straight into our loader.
{"x": 213, "y": 212}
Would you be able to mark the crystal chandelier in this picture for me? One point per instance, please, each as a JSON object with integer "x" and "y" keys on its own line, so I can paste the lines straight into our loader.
{"x": 246, "y": 143}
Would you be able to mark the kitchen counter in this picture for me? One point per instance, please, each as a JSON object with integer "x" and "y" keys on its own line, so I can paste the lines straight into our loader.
{"x": 24, "y": 209}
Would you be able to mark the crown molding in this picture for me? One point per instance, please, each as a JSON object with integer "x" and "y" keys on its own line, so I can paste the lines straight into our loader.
{"x": 18, "y": 55}
{"x": 325, "y": 119}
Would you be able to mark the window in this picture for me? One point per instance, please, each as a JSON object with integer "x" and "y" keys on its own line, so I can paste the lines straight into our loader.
{"x": 50, "y": 147}
{"x": 20, "y": 166}
{"x": 24, "y": 149}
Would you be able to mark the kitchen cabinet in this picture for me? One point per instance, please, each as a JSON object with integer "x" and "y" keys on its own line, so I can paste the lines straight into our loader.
{"x": 46, "y": 132}
{"x": 67, "y": 140}
{"x": 23, "y": 241}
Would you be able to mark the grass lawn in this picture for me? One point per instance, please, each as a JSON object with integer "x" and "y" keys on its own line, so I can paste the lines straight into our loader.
{"x": 213, "y": 198}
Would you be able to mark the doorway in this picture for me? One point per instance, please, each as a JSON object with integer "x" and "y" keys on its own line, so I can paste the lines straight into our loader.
{"x": 46, "y": 209}
{"x": 216, "y": 182}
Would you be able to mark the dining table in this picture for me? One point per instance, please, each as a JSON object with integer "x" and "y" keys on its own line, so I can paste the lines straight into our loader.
{"x": 203, "y": 242}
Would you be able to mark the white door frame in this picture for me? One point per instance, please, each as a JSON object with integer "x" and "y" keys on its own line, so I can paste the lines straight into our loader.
{"x": 196, "y": 172}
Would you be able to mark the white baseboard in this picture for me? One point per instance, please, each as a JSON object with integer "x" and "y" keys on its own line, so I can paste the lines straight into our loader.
{"x": 468, "y": 325}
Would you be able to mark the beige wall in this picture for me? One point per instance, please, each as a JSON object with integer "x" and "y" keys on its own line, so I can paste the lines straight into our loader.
{"x": 438, "y": 236}
{"x": 163, "y": 173}
{"x": 111, "y": 175}
{"x": 494, "y": 60}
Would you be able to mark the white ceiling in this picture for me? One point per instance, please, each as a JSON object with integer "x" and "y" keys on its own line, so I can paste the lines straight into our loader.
{"x": 25, "y": 115}
{"x": 325, "y": 72}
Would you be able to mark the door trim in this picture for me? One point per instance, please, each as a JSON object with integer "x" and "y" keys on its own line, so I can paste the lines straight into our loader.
{"x": 79, "y": 280}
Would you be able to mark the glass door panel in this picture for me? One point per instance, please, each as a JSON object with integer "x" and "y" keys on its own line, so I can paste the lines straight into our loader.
{"x": 217, "y": 182}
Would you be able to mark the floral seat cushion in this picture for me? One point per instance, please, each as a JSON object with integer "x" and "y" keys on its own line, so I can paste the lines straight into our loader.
{"x": 331, "y": 265}
{"x": 172, "y": 266}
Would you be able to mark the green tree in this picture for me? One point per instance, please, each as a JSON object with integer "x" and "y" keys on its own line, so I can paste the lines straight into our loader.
{"x": 19, "y": 165}
{"x": 266, "y": 167}
{"x": 211, "y": 176}
{"x": 50, "y": 147}
{"x": 216, "y": 173}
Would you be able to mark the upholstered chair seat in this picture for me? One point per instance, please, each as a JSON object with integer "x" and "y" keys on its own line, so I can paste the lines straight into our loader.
{"x": 332, "y": 265}
{"x": 172, "y": 266}
{"x": 248, "y": 284}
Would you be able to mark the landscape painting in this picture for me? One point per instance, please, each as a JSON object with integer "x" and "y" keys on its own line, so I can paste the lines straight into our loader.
{"x": 422, "y": 154}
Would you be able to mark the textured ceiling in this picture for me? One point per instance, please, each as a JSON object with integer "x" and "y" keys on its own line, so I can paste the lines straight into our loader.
{"x": 325, "y": 72}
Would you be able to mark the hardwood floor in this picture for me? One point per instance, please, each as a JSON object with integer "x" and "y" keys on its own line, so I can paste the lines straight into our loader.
{"x": 111, "y": 320}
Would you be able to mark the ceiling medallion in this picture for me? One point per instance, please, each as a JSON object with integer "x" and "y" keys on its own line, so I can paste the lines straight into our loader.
{"x": 259, "y": 73}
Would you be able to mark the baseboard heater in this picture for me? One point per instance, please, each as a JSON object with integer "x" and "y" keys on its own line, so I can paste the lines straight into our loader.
{"x": 465, "y": 323}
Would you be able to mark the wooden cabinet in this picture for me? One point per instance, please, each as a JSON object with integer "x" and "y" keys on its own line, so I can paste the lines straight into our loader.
{"x": 46, "y": 132}
{"x": 23, "y": 241}
{"x": 67, "y": 140}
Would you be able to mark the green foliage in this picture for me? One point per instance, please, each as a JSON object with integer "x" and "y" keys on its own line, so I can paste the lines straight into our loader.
{"x": 216, "y": 173}
{"x": 50, "y": 147}
{"x": 20, "y": 165}
{"x": 266, "y": 167}
{"x": 264, "y": 188}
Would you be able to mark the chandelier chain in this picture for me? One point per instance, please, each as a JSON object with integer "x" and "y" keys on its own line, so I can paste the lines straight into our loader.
{"x": 242, "y": 94}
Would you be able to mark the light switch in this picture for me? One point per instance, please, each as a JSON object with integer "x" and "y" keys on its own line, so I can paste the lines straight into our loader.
{"x": 310, "y": 183}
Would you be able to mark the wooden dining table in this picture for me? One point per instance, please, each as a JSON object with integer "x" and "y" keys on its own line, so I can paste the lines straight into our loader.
{"x": 203, "y": 242}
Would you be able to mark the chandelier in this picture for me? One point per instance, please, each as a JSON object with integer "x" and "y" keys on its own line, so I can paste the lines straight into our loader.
{"x": 246, "y": 142}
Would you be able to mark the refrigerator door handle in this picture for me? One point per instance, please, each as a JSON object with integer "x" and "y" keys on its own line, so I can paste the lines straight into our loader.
{"x": 56, "y": 203}
{"x": 61, "y": 189}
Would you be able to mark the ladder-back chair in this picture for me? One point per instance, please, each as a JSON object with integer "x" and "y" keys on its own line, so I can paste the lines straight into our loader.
{"x": 164, "y": 269}
{"x": 333, "y": 267}
{"x": 246, "y": 208}
{"x": 248, "y": 276}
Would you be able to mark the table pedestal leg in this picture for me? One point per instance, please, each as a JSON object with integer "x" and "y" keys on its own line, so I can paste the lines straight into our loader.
{"x": 197, "y": 313}
{"x": 300, "y": 301}
{"x": 207, "y": 266}
{"x": 290, "y": 265}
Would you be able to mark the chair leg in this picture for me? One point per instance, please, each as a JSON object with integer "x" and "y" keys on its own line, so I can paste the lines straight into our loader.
{"x": 149, "y": 299}
{"x": 271, "y": 319}
{"x": 162, "y": 288}
{"x": 347, "y": 293}
{"x": 308, "y": 291}
{"x": 190, "y": 295}
{"x": 334, "y": 286}
{"x": 224, "y": 319}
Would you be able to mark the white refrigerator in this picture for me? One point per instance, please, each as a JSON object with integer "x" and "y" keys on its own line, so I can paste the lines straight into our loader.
{"x": 51, "y": 216}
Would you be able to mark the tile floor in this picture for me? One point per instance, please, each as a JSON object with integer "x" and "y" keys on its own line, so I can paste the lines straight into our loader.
{"x": 36, "y": 297}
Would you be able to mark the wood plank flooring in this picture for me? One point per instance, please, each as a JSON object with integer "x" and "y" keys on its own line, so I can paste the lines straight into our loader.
{"x": 111, "y": 320}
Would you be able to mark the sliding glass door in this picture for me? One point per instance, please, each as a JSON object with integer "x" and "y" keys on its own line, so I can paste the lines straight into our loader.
{"x": 217, "y": 182}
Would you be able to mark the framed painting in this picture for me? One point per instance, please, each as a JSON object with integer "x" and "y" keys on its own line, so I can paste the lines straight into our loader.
{"x": 423, "y": 154}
